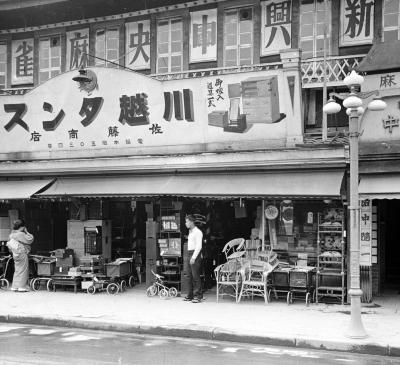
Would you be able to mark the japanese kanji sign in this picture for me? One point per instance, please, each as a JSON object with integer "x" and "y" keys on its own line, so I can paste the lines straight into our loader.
{"x": 365, "y": 232}
{"x": 131, "y": 110}
{"x": 357, "y": 22}
{"x": 77, "y": 49}
{"x": 203, "y": 35}
{"x": 138, "y": 45}
{"x": 22, "y": 61}
{"x": 276, "y": 26}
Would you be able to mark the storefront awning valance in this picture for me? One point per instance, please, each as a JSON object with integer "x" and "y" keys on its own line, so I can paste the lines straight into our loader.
{"x": 296, "y": 184}
{"x": 385, "y": 186}
{"x": 21, "y": 189}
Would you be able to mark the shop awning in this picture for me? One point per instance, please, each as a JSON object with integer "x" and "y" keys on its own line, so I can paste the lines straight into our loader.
{"x": 21, "y": 189}
{"x": 381, "y": 57}
{"x": 296, "y": 184}
{"x": 385, "y": 186}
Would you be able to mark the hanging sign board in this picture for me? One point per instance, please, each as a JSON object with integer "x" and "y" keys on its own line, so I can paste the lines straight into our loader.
{"x": 356, "y": 22}
{"x": 365, "y": 232}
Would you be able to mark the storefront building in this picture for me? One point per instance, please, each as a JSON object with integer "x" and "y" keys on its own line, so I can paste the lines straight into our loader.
{"x": 119, "y": 118}
{"x": 380, "y": 174}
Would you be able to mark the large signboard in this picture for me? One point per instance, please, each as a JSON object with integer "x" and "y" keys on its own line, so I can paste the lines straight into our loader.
{"x": 382, "y": 125}
{"x": 357, "y": 22}
{"x": 22, "y": 61}
{"x": 138, "y": 45}
{"x": 118, "y": 108}
{"x": 77, "y": 48}
{"x": 276, "y": 26}
{"x": 203, "y": 35}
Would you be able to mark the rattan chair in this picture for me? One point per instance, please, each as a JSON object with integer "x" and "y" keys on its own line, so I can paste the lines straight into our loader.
{"x": 227, "y": 275}
{"x": 255, "y": 279}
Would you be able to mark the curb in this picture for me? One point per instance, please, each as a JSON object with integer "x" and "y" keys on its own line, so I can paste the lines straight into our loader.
{"x": 206, "y": 333}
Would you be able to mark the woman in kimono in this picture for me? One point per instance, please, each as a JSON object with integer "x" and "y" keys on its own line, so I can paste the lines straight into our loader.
{"x": 20, "y": 246}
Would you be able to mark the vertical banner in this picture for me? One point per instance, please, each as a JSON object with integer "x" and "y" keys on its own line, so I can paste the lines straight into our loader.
{"x": 22, "y": 61}
{"x": 203, "y": 35}
{"x": 356, "y": 22}
{"x": 77, "y": 49}
{"x": 276, "y": 26}
{"x": 137, "y": 45}
{"x": 365, "y": 232}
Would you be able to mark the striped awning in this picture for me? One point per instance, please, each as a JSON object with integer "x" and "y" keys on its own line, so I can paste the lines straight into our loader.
{"x": 274, "y": 184}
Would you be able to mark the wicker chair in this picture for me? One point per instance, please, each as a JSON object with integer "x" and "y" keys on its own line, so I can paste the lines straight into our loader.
{"x": 234, "y": 249}
{"x": 228, "y": 275}
{"x": 255, "y": 279}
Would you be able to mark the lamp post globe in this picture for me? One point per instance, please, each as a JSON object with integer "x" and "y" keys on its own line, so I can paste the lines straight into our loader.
{"x": 353, "y": 79}
{"x": 331, "y": 107}
{"x": 352, "y": 101}
{"x": 377, "y": 104}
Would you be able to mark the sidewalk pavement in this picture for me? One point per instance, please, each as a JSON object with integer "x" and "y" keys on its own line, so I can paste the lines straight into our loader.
{"x": 319, "y": 326}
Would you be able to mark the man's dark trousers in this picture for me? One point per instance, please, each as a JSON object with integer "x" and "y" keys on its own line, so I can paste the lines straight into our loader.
{"x": 194, "y": 279}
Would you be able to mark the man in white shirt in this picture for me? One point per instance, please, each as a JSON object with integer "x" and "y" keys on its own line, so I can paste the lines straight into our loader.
{"x": 195, "y": 239}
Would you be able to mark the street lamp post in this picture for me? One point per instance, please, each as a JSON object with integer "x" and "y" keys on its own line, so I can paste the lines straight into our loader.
{"x": 352, "y": 101}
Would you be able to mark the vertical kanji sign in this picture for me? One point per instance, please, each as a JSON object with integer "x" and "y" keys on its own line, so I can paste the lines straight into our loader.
{"x": 22, "y": 61}
{"x": 276, "y": 26}
{"x": 77, "y": 49}
{"x": 356, "y": 22}
{"x": 138, "y": 45}
{"x": 366, "y": 232}
{"x": 203, "y": 35}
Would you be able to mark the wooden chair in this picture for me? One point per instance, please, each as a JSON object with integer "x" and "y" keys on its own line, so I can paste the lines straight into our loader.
{"x": 255, "y": 279}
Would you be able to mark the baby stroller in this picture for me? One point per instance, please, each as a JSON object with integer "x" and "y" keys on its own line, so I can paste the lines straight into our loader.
{"x": 159, "y": 287}
{"x": 4, "y": 266}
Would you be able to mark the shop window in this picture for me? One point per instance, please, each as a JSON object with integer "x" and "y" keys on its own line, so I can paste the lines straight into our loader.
{"x": 238, "y": 37}
{"x": 312, "y": 27}
{"x": 391, "y": 20}
{"x": 107, "y": 47}
{"x": 3, "y": 65}
{"x": 49, "y": 57}
{"x": 169, "y": 45}
{"x": 312, "y": 106}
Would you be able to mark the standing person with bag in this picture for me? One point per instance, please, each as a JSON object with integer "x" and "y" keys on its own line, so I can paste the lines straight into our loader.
{"x": 20, "y": 246}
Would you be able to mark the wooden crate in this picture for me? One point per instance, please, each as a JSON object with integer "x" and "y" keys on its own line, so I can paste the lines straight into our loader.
{"x": 45, "y": 268}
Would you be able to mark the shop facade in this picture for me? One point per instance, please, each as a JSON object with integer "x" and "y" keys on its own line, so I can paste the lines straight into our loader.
{"x": 380, "y": 175}
{"x": 121, "y": 155}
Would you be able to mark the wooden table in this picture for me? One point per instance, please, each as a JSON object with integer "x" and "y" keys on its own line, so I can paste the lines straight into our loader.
{"x": 66, "y": 281}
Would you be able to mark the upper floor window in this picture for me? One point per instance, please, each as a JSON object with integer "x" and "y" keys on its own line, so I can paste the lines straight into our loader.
{"x": 169, "y": 45}
{"x": 49, "y": 57}
{"x": 3, "y": 65}
{"x": 312, "y": 27}
{"x": 238, "y": 37}
{"x": 107, "y": 47}
{"x": 391, "y": 20}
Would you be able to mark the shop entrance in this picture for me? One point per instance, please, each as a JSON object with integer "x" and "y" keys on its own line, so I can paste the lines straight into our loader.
{"x": 389, "y": 219}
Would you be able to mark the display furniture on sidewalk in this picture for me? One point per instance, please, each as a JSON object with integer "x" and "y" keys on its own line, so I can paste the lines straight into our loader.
{"x": 63, "y": 281}
{"x": 301, "y": 283}
{"x": 331, "y": 268}
{"x": 255, "y": 279}
{"x": 227, "y": 275}
{"x": 170, "y": 244}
